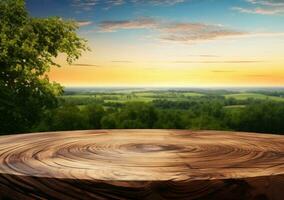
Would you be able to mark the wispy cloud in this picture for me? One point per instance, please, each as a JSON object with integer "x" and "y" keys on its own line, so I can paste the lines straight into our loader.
{"x": 258, "y": 75}
{"x": 83, "y": 23}
{"x": 85, "y": 4}
{"x": 267, "y": 2}
{"x": 223, "y": 71}
{"x": 219, "y": 61}
{"x": 194, "y": 32}
{"x": 197, "y": 61}
{"x": 205, "y": 55}
{"x": 111, "y": 26}
{"x": 263, "y": 7}
{"x": 122, "y": 61}
{"x": 173, "y": 31}
{"x": 185, "y": 32}
{"x": 90, "y": 4}
{"x": 159, "y": 2}
{"x": 84, "y": 65}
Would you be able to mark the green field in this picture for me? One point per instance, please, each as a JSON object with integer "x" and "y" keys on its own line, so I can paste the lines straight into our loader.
{"x": 132, "y": 97}
{"x": 149, "y": 96}
{"x": 244, "y": 96}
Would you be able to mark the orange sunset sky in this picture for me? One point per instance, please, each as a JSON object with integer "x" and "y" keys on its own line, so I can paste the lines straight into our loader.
{"x": 173, "y": 43}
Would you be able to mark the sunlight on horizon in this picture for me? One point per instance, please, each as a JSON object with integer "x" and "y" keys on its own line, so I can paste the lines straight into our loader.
{"x": 158, "y": 44}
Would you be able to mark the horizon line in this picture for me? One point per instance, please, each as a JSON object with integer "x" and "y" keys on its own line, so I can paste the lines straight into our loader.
{"x": 162, "y": 86}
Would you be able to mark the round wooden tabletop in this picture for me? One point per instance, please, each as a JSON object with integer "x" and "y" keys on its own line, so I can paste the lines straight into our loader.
{"x": 129, "y": 160}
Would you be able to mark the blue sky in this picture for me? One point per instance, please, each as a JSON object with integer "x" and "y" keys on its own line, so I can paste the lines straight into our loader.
{"x": 186, "y": 36}
{"x": 210, "y": 11}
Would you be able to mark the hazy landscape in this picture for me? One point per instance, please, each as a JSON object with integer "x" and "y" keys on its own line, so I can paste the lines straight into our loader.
{"x": 240, "y": 109}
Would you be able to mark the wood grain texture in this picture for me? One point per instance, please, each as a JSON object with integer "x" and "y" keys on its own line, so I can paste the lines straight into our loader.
{"x": 142, "y": 164}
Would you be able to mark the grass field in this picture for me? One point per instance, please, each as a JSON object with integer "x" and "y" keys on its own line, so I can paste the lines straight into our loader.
{"x": 132, "y": 97}
{"x": 244, "y": 96}
{"x": 149, "y": 96}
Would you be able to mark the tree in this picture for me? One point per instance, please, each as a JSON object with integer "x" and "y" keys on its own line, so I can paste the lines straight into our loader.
{"x": 137, "y": 115}
{"x": 170, "y": 119}
{"x": 28, "y": 47}
{"x": 68, "y": 118}
{"x": 264, "y": 117}
{"x": 95, "y": 114}
{"x": 109, "y": 122}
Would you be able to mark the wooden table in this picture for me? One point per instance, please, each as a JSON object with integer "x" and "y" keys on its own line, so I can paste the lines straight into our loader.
{"x": 142, "y": 164}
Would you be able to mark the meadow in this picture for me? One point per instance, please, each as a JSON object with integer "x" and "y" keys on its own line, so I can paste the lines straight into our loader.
{"x": 123, "y": 96}
{"x": 234, "y": 99}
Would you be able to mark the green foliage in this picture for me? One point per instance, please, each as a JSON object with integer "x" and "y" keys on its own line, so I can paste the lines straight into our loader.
{"x": 109, "y": 122}
{"x": 94, "y": 114}
{"x": 137, "y": 115}
{"x": 67, "y": 118}
{"x": 27, "y": 49}
{"x": 170, "y": 119}
{"x": 210, "y": 114}
{"x": 263, "y": 117}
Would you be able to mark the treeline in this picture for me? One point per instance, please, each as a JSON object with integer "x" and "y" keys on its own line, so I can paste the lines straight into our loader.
{"x": 256, "y": 116}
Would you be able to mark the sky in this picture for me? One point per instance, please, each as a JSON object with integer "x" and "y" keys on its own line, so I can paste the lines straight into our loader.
{"x": 184, "y": 43}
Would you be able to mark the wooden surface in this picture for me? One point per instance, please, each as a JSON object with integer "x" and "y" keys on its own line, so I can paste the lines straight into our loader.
{"x": 142, "y": 164}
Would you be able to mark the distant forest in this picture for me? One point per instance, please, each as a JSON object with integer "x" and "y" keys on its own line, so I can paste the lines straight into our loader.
{"x": 258, "y": 111}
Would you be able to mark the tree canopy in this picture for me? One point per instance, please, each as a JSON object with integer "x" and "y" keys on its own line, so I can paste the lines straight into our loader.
{"x": 28, "y": 46}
